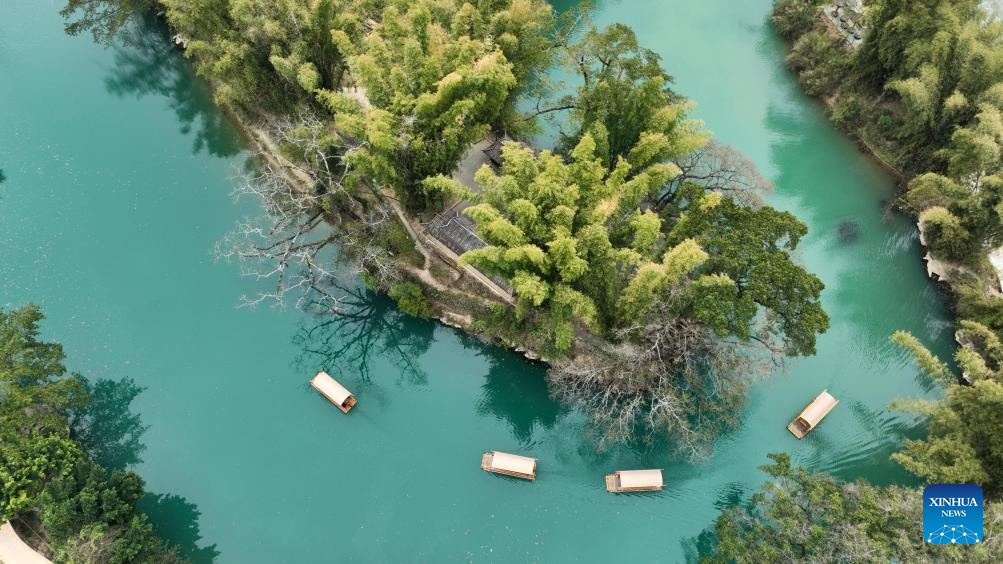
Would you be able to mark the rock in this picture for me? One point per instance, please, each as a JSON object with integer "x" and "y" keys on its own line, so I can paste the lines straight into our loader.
{"x": 848, "y": 232}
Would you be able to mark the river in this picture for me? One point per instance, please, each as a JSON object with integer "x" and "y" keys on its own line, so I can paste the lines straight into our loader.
{"x": 119, "y": 171}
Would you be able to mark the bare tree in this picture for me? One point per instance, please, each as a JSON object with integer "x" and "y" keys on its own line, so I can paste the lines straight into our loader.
{"x": 720, "y": 168}
{"x": 310, "y": 219}
{"x": 669, "y": 378}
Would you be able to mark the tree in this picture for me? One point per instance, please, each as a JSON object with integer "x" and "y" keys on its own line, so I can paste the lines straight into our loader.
{"x": 945, "y": 234}
{"x": 263, "y": 55}
{"x": 794, "y": 18}
{"x": 624, "y": 90}
{"x": 963, "y": 444}
{"x": 547, "y": 225}
{"x": 801, "y": 516}
{"x": 667, "y": 378}
{"x": 106, "y": 20}
{"x": 46, "y": 478}
{"x": 433, "y": 89}
{"x": 749, "y": 250}
{"x": 821, "y": 62}
{"x": 37, "y": 394}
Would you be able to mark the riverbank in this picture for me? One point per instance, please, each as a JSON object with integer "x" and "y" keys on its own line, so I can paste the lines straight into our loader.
{"x": 455, "y": 294}
{"x": 227, "y": 401}
{"x": 872, "y": 119}
{"x": 15, "y": 550}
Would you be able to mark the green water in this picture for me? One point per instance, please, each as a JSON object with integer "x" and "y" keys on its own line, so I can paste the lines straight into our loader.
{"x": 118, "y": 178}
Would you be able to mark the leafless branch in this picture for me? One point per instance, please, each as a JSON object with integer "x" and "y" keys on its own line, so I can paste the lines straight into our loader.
{"x": 720, "y": 168}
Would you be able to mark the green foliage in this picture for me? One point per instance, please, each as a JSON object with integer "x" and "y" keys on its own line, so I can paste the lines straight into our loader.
{"x": 926, "y": 361}
{"x": 751, "y": 247}
{"x": 267, "y": 53}
{"x": 625, "y": 91}
{"x": 931, "y": 190}
{"x": 546, "y": 223}
{"x": 411, "y": 300}
{"x": 847, "y": 110}
{"x": 887, "y": 123}
{"x": 576, "y": 238}
{"x": 104, "y": 20}
{"x": 87, "y": 514}
{"x": 800, "y": 516}
{"x": 794, "y": 18}
{"x": 945, "y": 235}
{"x": 435, "y": 91}
{"x": 821, "y": 62}
{"x": 964, "y": 443}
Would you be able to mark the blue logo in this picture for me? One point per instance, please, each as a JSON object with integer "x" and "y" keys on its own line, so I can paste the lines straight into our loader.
{"x": 952, "y": 514}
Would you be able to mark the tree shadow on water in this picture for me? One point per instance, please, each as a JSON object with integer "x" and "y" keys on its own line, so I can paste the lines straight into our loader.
{"x": 368, "y": 329}
{"x": 176, "y": 520}
{"x": 107, "y": 427}
{"x": 515, "y": 391}
{"x": 111, "y": 433}
{"x": 153, "y": 66}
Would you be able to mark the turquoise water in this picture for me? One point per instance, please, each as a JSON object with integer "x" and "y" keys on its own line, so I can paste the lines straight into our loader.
{"x": 119, "y": 172}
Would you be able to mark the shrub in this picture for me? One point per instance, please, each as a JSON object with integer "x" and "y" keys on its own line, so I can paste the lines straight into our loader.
{"x": 820, "y": 61}
{"x": 847, "y": 111}
{"x": 930, "y": 190}
{"x": 411, "y": 300}
{"x": 945, "y": 236}
{"x": 794, "y": 18}
{"x": 887, "y": 124}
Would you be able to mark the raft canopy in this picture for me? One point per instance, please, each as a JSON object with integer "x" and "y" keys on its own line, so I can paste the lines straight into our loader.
{"x": 640, "y": 479}
{"x": 812, "y": 414}
{"x": 333, "y": 391}
{"x": 634, "y": 480}
{"x": 509, "y": 464}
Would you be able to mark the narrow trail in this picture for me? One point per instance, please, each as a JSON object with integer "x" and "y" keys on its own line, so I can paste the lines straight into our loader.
{"x": 13, "y": 550}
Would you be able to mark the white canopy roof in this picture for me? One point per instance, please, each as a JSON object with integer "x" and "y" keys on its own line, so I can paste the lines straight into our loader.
{"x": 640, "y": 478}
{"x": 330, "y": 388}
{"x": 512, "y": 463}
{"x": 819, "y": 408}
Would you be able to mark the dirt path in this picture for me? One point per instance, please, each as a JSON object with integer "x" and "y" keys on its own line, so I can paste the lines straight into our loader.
{"x": 13, "y": 550}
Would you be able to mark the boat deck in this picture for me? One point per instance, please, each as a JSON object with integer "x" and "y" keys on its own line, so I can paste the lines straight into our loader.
{"x": 613, "y": 483}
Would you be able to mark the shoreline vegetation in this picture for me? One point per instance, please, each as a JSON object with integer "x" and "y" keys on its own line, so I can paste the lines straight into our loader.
{"x": 636, "y": 257}
{"x": 920, "y": 93}
{"x": 65, "y": 442}
{"x": 641, "y": 259}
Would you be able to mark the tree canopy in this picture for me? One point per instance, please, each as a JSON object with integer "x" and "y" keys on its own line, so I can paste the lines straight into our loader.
{"x": 638, "y": 230}
{"x": 48, "y": 478}
{"x": 801, "y": 516}
{"x": 963, "y": 443}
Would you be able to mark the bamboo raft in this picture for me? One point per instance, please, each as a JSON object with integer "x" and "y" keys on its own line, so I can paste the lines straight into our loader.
{"x": 333, "y": 391}
{"x": 624, "y": 481}
{"x": 813, "y": 414}
{"x": 509, "y": 464}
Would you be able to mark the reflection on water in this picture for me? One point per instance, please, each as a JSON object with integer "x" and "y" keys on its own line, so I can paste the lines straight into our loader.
{"x": 177, "y": 520}
{"x": 111, "y": 432}
{"x": 107, "y": 427}
{"x": 866, "y": 454}
{"x": 153, "y": 67}
{"x": 516, "y": 392}
{"x": 370, "y": 327}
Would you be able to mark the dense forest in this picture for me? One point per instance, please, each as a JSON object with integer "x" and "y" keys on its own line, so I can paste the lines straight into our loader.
{"x": 641, "y": 260}
{"x": 921, "y": 92}
{"x": 64, "y": 444}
